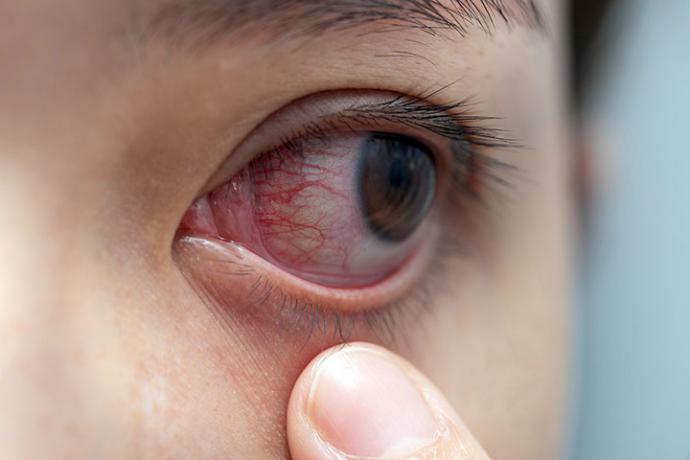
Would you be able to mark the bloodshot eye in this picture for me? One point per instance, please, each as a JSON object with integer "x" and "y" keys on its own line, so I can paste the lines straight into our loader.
{"x": 345, "y": 210}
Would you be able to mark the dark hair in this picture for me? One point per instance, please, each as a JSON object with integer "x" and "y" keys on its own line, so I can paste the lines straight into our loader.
{"x": 586, "y": 19}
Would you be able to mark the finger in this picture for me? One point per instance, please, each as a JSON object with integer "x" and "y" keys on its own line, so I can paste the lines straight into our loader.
{"x": 361, "y": 401}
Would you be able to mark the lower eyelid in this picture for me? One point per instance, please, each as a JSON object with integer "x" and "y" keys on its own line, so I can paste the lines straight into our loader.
{"x": 243, "y": 296}
{"x": 239, "y": 274}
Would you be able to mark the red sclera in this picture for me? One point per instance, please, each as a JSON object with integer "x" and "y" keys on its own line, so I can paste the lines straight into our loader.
{"x": 298, "y": 207}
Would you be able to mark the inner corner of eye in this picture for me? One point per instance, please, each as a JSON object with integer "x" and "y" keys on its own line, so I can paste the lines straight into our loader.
{"x": 346, "y": 212}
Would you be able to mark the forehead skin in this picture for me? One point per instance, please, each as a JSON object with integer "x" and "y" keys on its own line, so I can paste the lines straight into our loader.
{"x": 107, "y": 134}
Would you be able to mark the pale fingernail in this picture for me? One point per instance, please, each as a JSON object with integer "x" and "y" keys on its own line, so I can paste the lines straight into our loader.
{"x": 365, "y": 405}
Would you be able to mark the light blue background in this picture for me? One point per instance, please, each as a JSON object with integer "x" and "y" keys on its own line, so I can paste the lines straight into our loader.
{"x": 635, "y": 298}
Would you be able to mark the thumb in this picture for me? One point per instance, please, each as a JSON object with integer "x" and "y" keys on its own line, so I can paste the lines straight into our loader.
{"x": 360, "y": 401}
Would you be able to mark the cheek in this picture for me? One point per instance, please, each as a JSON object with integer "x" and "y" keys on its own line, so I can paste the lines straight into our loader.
{"x": 212, "y": 383}
{"x": 243, "y": 353}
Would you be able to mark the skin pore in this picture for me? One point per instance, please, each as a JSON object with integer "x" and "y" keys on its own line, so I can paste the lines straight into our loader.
{"x": 123, "y": 339}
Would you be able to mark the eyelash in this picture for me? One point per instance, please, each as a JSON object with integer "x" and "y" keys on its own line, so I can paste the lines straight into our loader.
{"x": 471, "y": 143}
{"x": 307, "y": 319}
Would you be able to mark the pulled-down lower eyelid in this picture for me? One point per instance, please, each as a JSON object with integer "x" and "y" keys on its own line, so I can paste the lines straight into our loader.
{"x": 234, "y": 282}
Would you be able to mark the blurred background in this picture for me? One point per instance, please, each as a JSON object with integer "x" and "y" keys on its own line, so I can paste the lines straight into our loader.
{"x": 632, "y": 68}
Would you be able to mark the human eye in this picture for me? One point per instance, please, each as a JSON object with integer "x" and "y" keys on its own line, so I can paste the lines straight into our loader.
{"x": 342, "y": 202}
{"x": 344, "y": 209}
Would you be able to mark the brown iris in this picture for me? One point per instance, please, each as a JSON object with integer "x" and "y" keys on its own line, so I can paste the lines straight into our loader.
{"x": 397, "y": 184}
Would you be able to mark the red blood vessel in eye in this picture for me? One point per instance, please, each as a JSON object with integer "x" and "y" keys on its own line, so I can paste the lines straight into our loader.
{"x": 298, "y": 207}
{"x": 301, "y": 206}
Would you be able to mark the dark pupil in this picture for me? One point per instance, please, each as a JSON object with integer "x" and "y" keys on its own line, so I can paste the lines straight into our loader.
{"x": 397, "y": 183}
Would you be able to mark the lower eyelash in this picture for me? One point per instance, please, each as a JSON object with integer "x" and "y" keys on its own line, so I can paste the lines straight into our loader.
{"x": 312, "y": 321}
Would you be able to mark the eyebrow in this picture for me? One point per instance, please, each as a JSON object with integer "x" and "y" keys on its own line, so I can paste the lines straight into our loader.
{"x": 196, "y": 22}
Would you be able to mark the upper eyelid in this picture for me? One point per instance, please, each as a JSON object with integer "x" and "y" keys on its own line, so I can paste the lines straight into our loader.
{"x": 431, "y": 115}
{"x": 455, "y": 120}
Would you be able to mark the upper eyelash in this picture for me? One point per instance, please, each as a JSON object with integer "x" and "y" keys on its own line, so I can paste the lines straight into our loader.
{"x": 470, "y": 135}
{"x": 452, "y": 121}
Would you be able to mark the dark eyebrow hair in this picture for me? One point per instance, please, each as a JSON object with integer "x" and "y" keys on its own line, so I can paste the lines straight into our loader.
{"x": 201, "y": 21}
